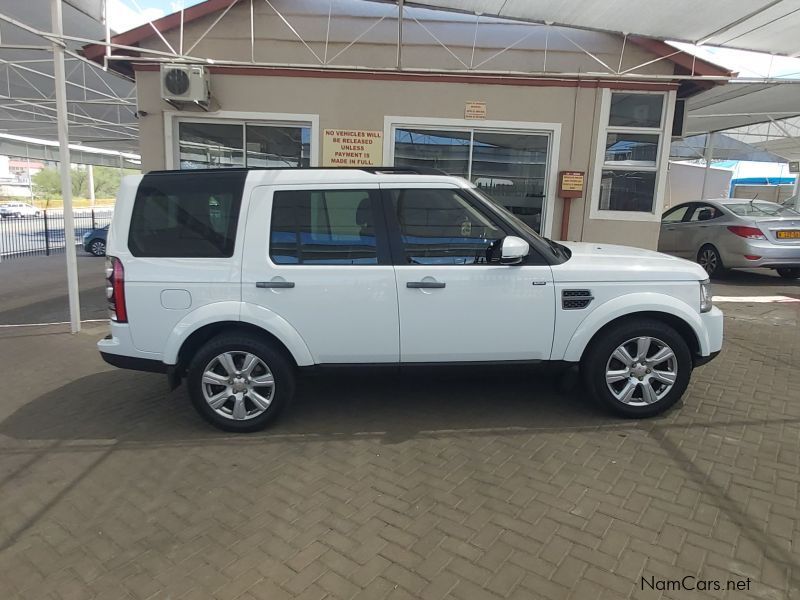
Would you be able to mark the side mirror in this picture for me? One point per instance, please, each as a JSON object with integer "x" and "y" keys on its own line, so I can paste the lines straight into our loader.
{"x": 514, "y": 250}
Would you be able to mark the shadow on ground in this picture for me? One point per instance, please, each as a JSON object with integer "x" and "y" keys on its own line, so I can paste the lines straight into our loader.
{"x": 128, "y": 406}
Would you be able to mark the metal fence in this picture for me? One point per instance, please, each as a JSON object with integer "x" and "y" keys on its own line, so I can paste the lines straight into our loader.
{"x": 44, "y": 233}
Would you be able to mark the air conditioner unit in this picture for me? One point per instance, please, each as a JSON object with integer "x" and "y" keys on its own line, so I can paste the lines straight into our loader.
{"x": 185, "y": 83}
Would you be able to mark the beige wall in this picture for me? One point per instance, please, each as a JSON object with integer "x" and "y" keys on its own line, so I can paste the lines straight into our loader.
{"x": 363, "y": 104}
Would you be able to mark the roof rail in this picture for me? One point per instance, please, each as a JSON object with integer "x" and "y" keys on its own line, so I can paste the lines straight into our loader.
{"x": 373, "y": 170}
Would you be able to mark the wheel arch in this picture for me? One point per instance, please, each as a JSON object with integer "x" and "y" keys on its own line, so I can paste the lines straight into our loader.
{"x": 678, "y": 324}
{"x": 667, "y": 309}
{"x": 203, "y": 334}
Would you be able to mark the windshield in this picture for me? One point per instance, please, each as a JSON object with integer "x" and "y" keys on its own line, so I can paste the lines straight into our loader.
{"x": 562, "y": 252}
{"x": 759, "y": 209}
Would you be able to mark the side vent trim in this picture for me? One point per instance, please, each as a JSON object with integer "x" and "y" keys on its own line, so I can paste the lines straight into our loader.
{"x": 576, "y": 299}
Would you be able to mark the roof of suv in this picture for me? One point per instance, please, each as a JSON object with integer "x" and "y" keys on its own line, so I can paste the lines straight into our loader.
{"x": 327, "y": 175}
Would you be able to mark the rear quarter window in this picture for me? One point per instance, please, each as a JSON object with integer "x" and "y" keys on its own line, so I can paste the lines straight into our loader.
{"x": 186, "y": 214}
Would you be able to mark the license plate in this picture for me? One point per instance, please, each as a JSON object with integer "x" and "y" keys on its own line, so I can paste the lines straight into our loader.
{"x": 789, "y": 235}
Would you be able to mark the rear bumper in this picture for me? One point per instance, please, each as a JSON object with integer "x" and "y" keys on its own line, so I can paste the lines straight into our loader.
{"x": 134, "y": 363}
{"x": 770, "y": 254}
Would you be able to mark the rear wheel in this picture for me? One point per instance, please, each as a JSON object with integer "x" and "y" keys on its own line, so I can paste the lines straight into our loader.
{"x": 240, "y": 382}
{"x": 638, "y": 368}
{"x": 789, "y": 272}
{"x": 98, "y": 247}
{"x": 708, "y": 257}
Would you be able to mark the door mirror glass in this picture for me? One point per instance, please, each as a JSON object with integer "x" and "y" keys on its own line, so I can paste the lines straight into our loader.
{"x": 514, "y": 250}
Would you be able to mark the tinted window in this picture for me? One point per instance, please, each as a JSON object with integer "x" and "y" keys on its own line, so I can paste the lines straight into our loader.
{"x": 627, "y": 190}
{"x": 439, "y": 227}
{"x": 704, "y": 212}
{"x": 331, "y": 227}
{"x": 186, "y": 214}
{"x": 675, "y": 215}
{"x": 759, "y": 209}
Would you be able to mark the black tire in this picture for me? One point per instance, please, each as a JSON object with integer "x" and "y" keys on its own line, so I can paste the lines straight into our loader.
{"x": 274, "y": 359}
{"x": 789, "y": 272}
{"x": 708, "y": 257}
{"x": 598, "y": 356}
{"x": 97, "y": 247}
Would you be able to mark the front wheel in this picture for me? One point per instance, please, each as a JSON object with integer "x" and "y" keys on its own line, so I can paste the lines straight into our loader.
{"x": 240, "y": 382}
{"x": 789, "y": 272}
{"x": 638, "y": 368}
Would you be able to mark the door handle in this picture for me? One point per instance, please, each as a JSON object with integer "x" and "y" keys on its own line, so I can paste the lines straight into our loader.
{"x": 425, "y": 284}
{"x": 275, "y": 284}
{"x": 670, "y": 229}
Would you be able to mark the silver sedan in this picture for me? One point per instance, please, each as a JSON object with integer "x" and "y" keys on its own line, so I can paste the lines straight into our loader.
{"x": 734, "y": 233}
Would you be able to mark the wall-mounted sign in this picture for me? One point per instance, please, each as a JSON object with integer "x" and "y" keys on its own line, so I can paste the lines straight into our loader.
{"x": 352, "y": 148}
{"x": 475, "y": 110}
{"x": 570, "y": 184}
{"x": 794, "y": 166}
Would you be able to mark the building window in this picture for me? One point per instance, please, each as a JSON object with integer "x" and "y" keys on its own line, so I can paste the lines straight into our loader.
{"x": 510, "y": 166}
{"x": 214, "y": 144}
{"x": 629, "y": 158}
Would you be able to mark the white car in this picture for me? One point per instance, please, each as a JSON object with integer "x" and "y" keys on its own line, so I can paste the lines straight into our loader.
{"x": 18, "y": 210}
{"x": 241, "y": 280}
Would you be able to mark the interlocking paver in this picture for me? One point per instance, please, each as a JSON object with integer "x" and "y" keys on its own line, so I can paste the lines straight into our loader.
{"x": 477, "y": 486}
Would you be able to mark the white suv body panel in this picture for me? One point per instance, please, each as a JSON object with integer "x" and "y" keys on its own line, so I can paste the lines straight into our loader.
{"x": 518, "y": 317}
{"x": 344, "y": 313}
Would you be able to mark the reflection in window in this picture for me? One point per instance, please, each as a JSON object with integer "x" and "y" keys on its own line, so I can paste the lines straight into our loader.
{"x": 210, "y": 145}
{"x": 445, "y": 150}
{"x": 634, "y": 149}
{"x": 439, "y": 227}
{"x": 333, "y": 227}
{"x": 512, "y": 168}
{"x": 203, "y": 145}
{"x": 273, "y": 146}
{"x": 627, "y": 190}
{"x": 636, "y": 110}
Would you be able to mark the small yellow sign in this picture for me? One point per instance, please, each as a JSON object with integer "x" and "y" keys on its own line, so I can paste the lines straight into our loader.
{"x": 572, "y": 182}
{"x": 352, "y": 148}
{"x": 475, "y": 110}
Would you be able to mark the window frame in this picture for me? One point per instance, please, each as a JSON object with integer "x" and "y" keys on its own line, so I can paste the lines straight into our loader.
{"x": 172, "y": 119}
{"x": 659, "y": 168}
{"x": 382, "y": 242}
{"x": 553, "y": 130}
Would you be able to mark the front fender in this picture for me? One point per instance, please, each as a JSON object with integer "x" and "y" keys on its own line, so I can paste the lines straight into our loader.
{"x": 628, "y": 305}
{"x": 258, "y": 316}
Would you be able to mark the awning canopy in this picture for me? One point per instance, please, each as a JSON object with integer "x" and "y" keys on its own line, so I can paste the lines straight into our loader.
{"x": 101, "y": 104}
{"x": 761, "y": 25}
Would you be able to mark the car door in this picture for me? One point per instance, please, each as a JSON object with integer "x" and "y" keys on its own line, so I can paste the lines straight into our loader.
{"x": 318, "y": 258}
{"x": 456, "y": 304}
{"x": 670, "y": 225}
{"x": 696, "y": 229}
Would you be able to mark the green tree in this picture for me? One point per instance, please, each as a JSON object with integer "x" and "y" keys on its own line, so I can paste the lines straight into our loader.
{"x": 106, "y": 181}
{"x": 80, "y": 179}
{"x": 47, "y": 184}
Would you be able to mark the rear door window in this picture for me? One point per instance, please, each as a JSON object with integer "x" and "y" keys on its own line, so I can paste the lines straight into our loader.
{"x": 187, "y": 214}
{"x": 325, "y": 227}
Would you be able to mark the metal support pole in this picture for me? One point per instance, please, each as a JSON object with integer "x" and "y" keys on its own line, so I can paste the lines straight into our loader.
{"x": 64, "y": 164}
{"x": 90, "y": 183}
{"x": 399, "y": 34}
{"x": 708, "y": 155}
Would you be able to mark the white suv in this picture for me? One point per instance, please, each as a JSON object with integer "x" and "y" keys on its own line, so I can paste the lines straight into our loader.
{"x": 238, "y": 280}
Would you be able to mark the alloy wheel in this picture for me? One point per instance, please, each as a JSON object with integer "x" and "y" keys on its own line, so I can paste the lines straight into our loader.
{"x": 641, "y": 371}
{"x": 238, "y": 385}
{"x": 708, "y": 260}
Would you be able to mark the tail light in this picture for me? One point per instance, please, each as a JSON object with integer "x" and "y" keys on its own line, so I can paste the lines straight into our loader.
{"x": 751, "y": 233}
{"x": 115, "y": 290}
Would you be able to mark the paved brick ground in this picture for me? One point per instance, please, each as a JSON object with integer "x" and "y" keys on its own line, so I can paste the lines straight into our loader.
{"x": 471, "y": 487}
